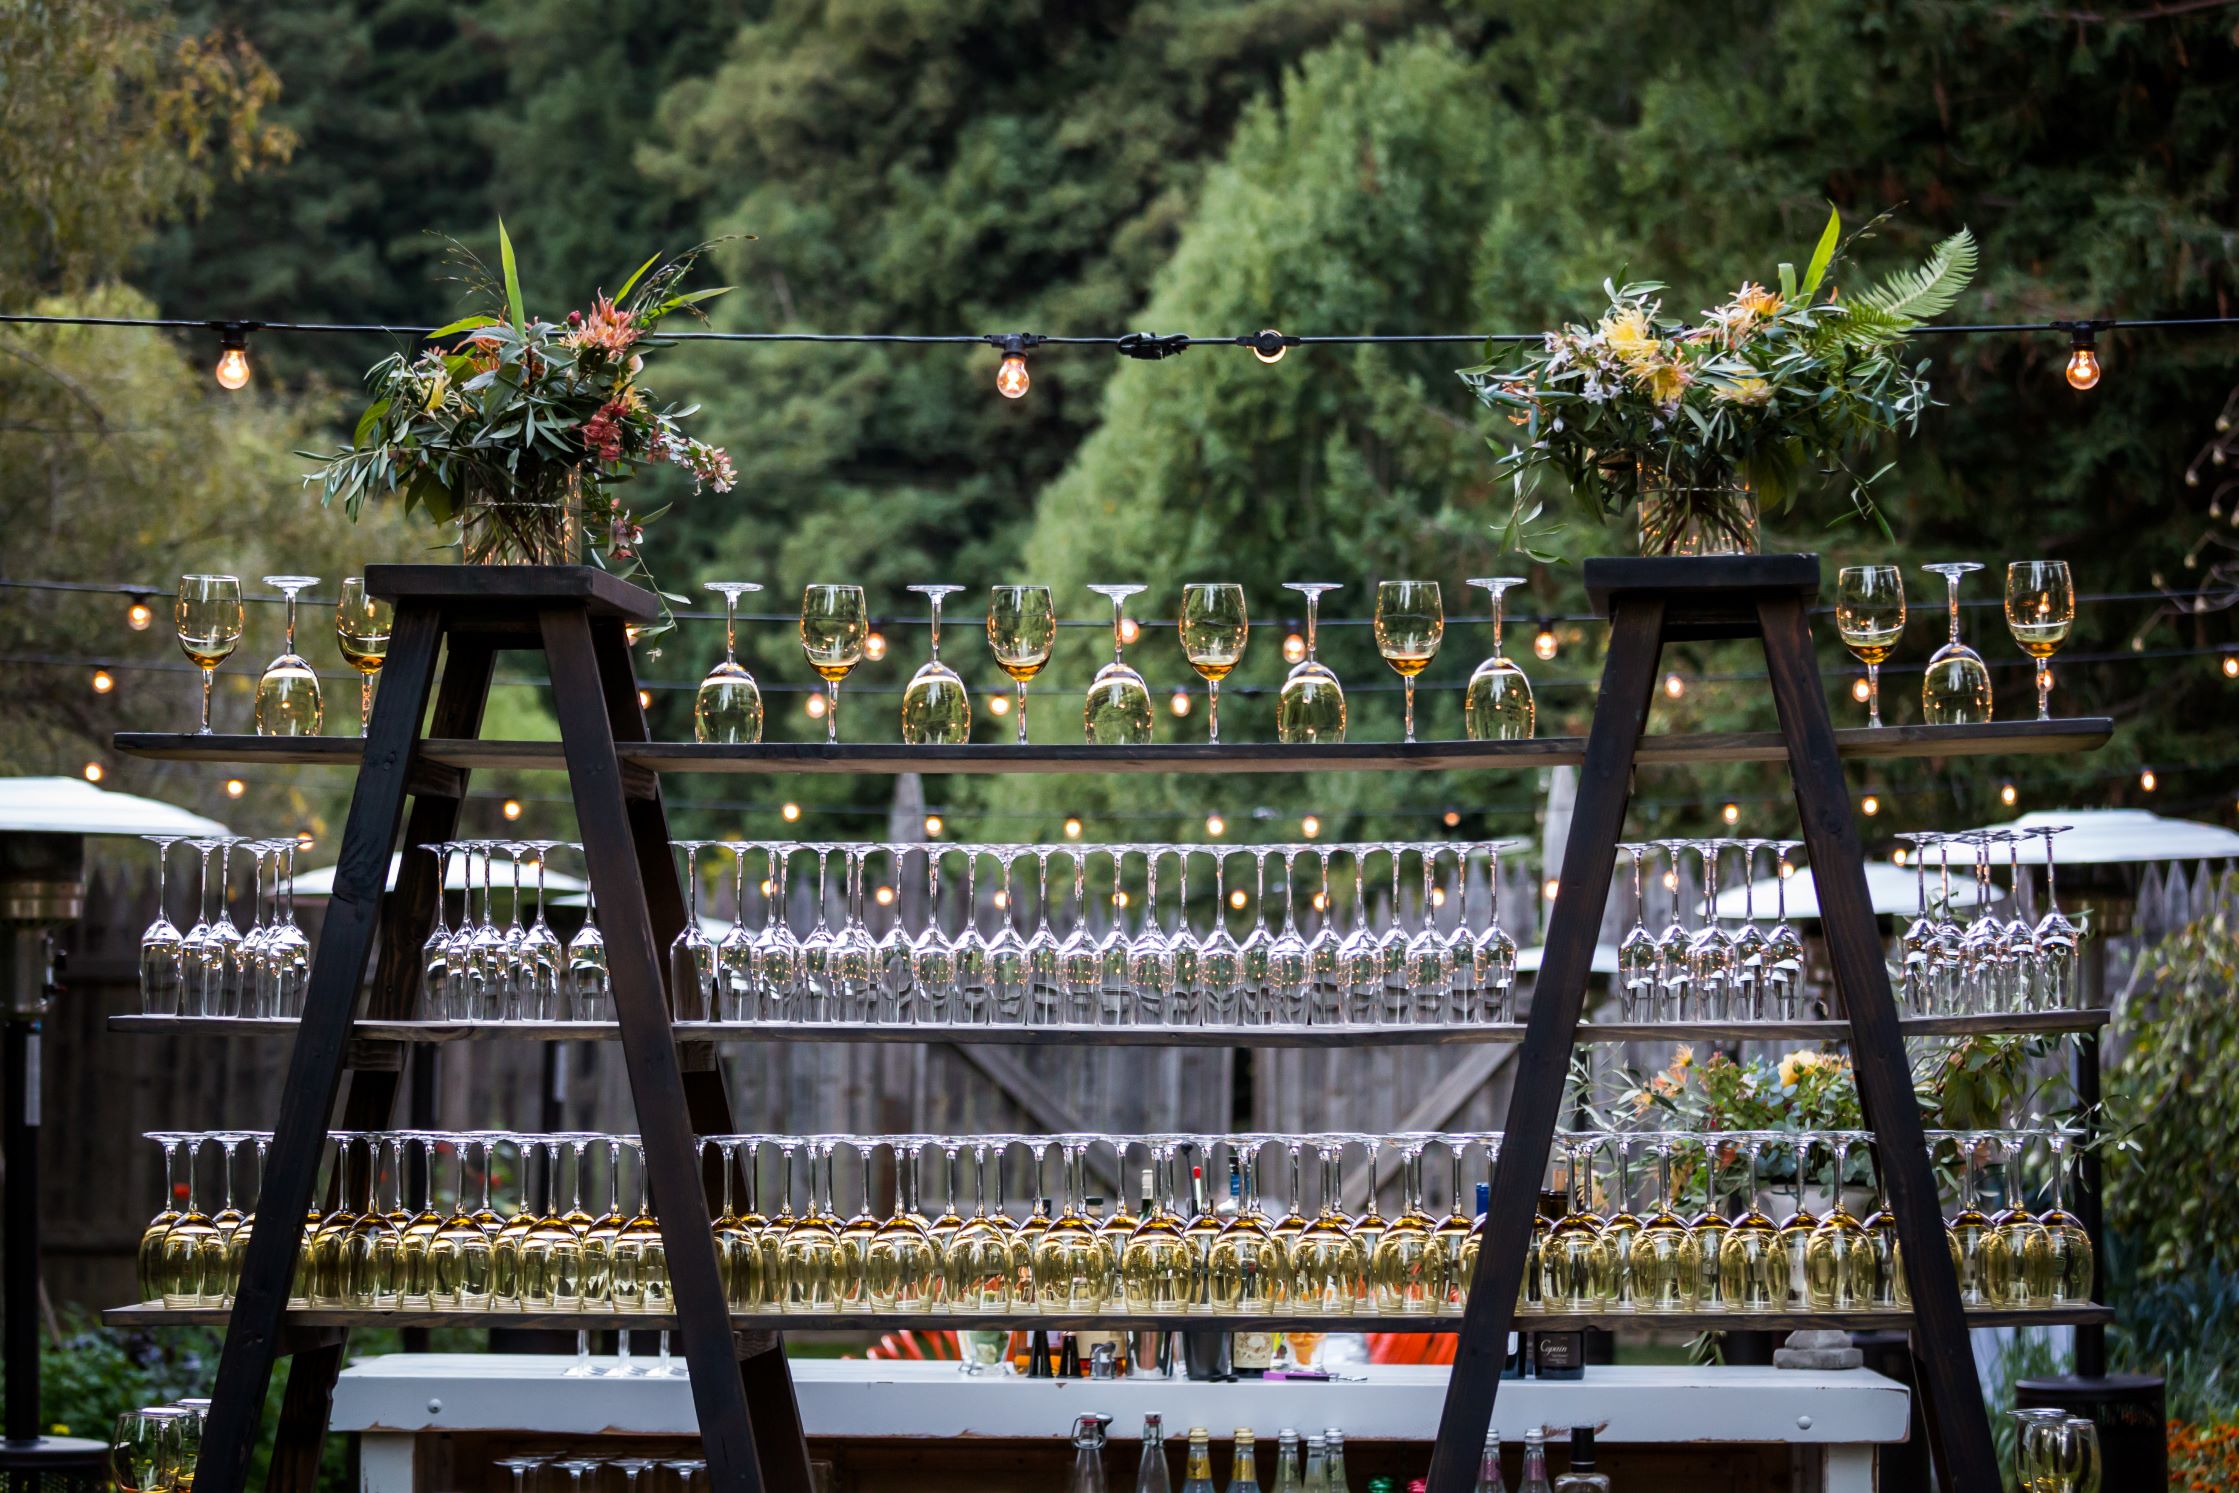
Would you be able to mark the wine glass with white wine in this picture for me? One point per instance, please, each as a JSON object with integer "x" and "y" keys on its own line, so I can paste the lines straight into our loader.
{"x": 2040, "y": 608}
{"x": 1118, "y": 709}
{"x": 361, "y": 631}
{"x": 288, "y": 701}
{"x": 835, "y": 626}
{"x": 1311, "y": 706}
{"x": 728, "y": 706}
{"x": 1214, "y": 629}
{"x": 1956, "y": 689}
{"x": 1498, "y": 706}
{"x": 936, "y": 710}
{"x": 1870, "y": 616}
{"x": 1021, "y": 630}
{"x": 206, "y": 613}
{"x": 1410, "y": 624}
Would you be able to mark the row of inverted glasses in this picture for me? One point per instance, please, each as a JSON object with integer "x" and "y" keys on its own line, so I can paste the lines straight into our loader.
{"x": 208, "y": 619}
{"x": 681, "y": 1473}
{"x": 484, "y": 970}
{"x": 1955, "y": 689}
{"x": 1985, "y": 963}
{"x": 1346, "y": 970}
{"x": 1021, "y": 627}
{"x": 1703, "y": 972}
{"x": 215, "y": 968}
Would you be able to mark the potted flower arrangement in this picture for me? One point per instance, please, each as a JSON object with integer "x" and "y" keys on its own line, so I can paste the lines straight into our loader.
{"x": 1704, "y": 426}
{"x": 515, "y": 438}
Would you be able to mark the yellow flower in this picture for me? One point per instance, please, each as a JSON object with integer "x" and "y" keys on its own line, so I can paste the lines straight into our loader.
{"x": 1630, "y": 337}
{"x": 1666, "y": 381}
{"x": 1746, "y": 390}
{"x": 1757, "y": 300}
{"x": 1683, "y": 1056}
{"x": 438, "y": 386}
{"x": 1796, "y": 1065}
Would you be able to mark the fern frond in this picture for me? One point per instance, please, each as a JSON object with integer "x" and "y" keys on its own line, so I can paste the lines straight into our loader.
{"x": 1858, "y": 324}
{"x": 1915, "y": 295}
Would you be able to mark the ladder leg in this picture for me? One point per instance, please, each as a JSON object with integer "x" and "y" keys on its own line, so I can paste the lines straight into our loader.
{"x": 305, "y": 1405}
{"x": 1543, "y": 1063}
{"x": 595, "y": 775}
{"x": 1966, "y": 1458}
{"x": 316, "y": 1062}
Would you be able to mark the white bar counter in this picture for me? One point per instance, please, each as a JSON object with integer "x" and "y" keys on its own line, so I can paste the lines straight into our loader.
{"x": 1834, "y": 1419}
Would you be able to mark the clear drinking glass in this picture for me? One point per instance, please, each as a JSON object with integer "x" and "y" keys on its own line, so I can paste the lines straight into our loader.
{"x": 162, "y": 945}
{"x": 728, "y": 705}
{"x": 288, "y": 702}
{"x": 835, "y": 625}
{"x": 1956, "y": 689}
{"x": 361, "y": 631}
{"x": 2040, "y": 608}
{"x": 1410, "y": 624}
{"x": 1214, "y": 628}
{"x": 936, "y": 709}
{"x": 1021, "y": 630}
{"x": 207, "y": 616}
{"x": 1118, "y": 708}
{"x": 1498, "y": 705}
{"x": 1311, "y": 706}
{"x": 1870, "y": 616}
{"x": 145, "y": 1447}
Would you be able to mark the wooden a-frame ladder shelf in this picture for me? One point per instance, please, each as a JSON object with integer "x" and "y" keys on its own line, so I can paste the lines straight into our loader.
{"x": 741, "y": 1389}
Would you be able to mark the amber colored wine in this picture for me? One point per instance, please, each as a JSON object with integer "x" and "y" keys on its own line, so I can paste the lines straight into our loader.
{"x": 1022, "y": 670}
{"x": 362, "y": 652}
{"x": 1870, "y": 629}
{"x": 1409, "y": 662}
{"x": 2040, "y": 639}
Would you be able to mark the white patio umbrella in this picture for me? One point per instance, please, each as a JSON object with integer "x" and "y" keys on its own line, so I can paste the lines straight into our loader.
{"x": 1893, "y": 889}
{"x": 2107, "y": 837}
{"x": 73, "y": 806}
{"x": 1605, "y": 959}
{"x": 320, "y": 883}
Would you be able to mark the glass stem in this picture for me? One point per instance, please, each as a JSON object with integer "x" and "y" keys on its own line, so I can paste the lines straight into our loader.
{"x": 1213, "y": 710}
{"x": 208, "y": 677}
{"x": 2044, "y": 689}
{"x": 365, "y": 705}
{"x": 1873, "y": 695}
{"x": 1410, "y": 693}
{"x": 1020, "y": 685}
{"x": 831, "y": 712}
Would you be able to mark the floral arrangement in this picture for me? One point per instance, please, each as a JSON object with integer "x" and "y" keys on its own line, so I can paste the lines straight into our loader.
{"x": 1704, "y": 424}
{"x": 516, "y": 436}
{"x": 1805, "y": 1090}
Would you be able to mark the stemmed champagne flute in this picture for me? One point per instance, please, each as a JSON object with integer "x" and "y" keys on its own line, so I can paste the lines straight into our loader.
{"x": 834, "y": 628}
{"x": 936, "y": 710}
{"x": 1498, "y": 705}
{"x": 1410, "y": 624}
{"x": 361, "y": 631}
{"x": 1214, "y": 628}
{"x": 1956, "y": 689}
{"x": 2040, "y": 608}
{"x": 728, "y": 705}
{"x": 1870, "y": 616}
{"x": 1118, "y": 709}
{"x": 162, "y": 946}
{"x": 207, "y": 616}
{"x": 1311, "y": 706}
{"x": 1021, "y": 630}
{"x": 288, "y": 701}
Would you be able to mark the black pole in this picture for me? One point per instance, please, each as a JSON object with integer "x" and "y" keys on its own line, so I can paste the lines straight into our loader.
{"x": 22, "y": 1223}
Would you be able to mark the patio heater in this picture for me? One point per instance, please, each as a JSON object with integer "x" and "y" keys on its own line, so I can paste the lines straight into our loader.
{"x": 43, "y": 825}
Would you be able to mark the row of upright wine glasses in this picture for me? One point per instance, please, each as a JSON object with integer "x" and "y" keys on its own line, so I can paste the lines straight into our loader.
{"x": 215, "y": 968}
{"x": 207, "y": 615}
{"x": 1181, "y": 1251}
{"x": 1215, "y": 625}
{"x": 1456, "y": 963}
{"x": 1985, "y": 963}
{"x": 1955, "y": 691}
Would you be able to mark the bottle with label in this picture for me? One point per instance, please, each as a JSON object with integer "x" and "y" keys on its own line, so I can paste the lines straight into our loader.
{"x": 1243, "y": 1468}
{"x": 1334, "y": 1441}
{"x": 1251, "y": 1353}
{"x": 1553, "y": 1355}
{"x": 1317, "y": 1466}
{"x": 1205, "y": 1353}
{"x": 1582, "y": 1478}
{"x": 1150, "y": 1476}
{"x": 1088, "y": 1454}
{"x": 1488, "y": 1466}
{"x": 1535, "y": 1464}
{"x": 1197, "y": 1471}
{"x": 1287, "y": 1476}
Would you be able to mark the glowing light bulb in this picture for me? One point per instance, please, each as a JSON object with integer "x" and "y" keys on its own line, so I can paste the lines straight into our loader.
{"x": 1869, "y": 805}
{"x": 645, "y": 699}
{"x": 1129, "y": 630}
{"x": 1549, "y": 887}
{"x": 1072, "y": 829}
{"x": 1321, "y": 899}
{"x": 1180, "y": 703}
{"x": 999, "y": 704}
{"x": 1671, "y": 881}
{"x": 790, "y": 813}
{"x": 1011, "y": 380}
{"x": 933, "y": 824}
{"x": 1269, "y": 346}
{"x": 1731, "y": 813}
{"x": 233, "y": 359}
{"x": 103, "y": 681}
{"x": 139, "y": 615}
{"x": 2231, "y": 666}
{"x": 1674, "y": 686}
{"x": 1545, "y": 644}
{"x": 1897, "y": 855}
{"x": 1294, "y": 648}
{"x": 884, "y": 896}
{"x": 1787, "y": 869}
{"x": 95, "y": 774}
{"x": 512, "y": 809}
{"x": 1861, "y": 691}
{"x": 815, "y": 706}
{"x": 1238, "y": 898}
{"x": 2007, "y": 794}
{"x": 234, "y": 787}
{"x": 1437, "y": 897}
{"x": 2083, "y": 368}
{"x": 1215, "y": 825}
{"x": 1452, "y": 818}
{"x": 1310, "y": 826}
{"x": 1121, "y": 899}
{"x": 1002, "y": 900}
{"x": 874, "y": 646}
{"x": 2147, "y": 780}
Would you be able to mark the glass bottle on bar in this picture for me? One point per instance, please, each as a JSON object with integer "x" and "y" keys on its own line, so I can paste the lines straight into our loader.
{"x": 1582, "y": 1478}
{"x": 1489, "y": 1479}
{"x": 1197, "y": 1472}
{"x": 1535, "y": 1464}
{"x": 1287, "y": 1475}
{"x": 1150, "y": 1474}
{"x": 1243, "y": 1467}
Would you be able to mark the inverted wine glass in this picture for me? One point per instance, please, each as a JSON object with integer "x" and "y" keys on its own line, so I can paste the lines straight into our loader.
{"x": 1311, "y": 707}
{"x": 288, "y": 701}
{"x": 1498, "y": 705}
{"x": 728, "y": 705}
{"x": 936, "y": 709}
{"x": 1956, "y": 689}
{"x": 162, "y": 945}
{"x": 1118, "y": 709}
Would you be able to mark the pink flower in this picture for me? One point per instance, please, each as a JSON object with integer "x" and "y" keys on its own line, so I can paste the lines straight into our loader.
{"x": 606, "y": 330}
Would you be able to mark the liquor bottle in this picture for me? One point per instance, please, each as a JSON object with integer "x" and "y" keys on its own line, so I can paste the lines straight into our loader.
{"x": 1243, "y": 1467}
{"x": 1088, "y": 1454}
{"x": 1535, "y": 1464}
{"x": 1151, "y": 1476}
{"x": 1287, "y": 1478}
{"x": 1334, "y": 1440}
{"x": 1205, "y": 1353}
{"x": 1488, "y": 1467}
{"x": 1582, "y": 1478}
{"x": 1069, "y": 1355}
{"x": 1317, "y": 1466}
{"x": 1197, "y": 1471}
{"x": 1038, "y": 1354}
{"x": 1554, "y": 1355}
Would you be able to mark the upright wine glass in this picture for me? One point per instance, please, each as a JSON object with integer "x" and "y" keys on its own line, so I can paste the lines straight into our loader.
{"x": 2040, "y": 608}
{"x": 288, "y": 701}
{"x": 1214, "y": 628}
{"x": 1118, "y": 709}
{"x": 1956, "y": 689}
{"x": 206, "y": 613}
{"x": 728, "y": 706}
{"x": 1311, "y": 706}
{"x": 361, "y": 630}
{"x": 1498, "y": 705}
{"x": 1870, "y": 616}
{"x": 162, "y": 946}
{"x": 936, "y": 710}
{"x": 1410, "y": 624}
{"x": 835, "y": 625}
{"x": 1021, "y": 630}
